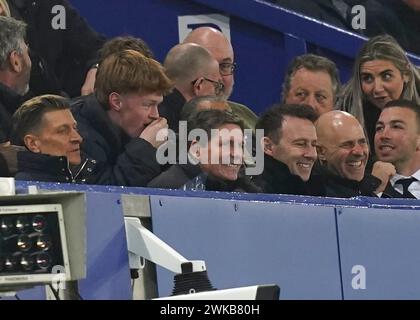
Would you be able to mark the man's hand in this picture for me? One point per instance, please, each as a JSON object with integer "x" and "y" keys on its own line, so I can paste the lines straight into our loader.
{"x": 383, "y": 171}
{"x": 150, "y": 133}
{"x": 89, "y": 85}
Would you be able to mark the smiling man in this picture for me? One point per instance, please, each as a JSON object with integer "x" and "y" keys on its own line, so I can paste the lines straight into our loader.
{"x": 120, "y": 121}
{"x": 343, "y": 152}
{"x": 46, "y": 127}
{"x": 215, "y": 156}
{"x": 397, "y": 141}
{"x": 289, "y": 146}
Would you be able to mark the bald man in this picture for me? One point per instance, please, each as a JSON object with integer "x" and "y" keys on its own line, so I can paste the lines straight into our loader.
{"x": 343, "y": 152}
{"x": 221, "y": 49}
{"x": 194, "y": 72}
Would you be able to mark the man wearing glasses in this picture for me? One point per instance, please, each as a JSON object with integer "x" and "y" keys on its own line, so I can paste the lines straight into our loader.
{"x": 221, "y": 49}
{"x": 194, "y": 73}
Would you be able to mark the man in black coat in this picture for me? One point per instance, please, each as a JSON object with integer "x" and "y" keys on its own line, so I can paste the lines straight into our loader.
{"x": 195, "y": 73}
{"x": 343, "y": 152}
{"x": 120, "y": 121}
{"x": 289, "y": 149}
{"x": 63, "y": 45}
{"x": 215, "y": 156}
{"x": 15, "y": 68}
{"x": 46, "y": 127}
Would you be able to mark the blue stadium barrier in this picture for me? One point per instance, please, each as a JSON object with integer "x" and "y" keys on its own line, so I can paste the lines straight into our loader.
{"x": 249, "y": 243}
{"x": 265, "y": 37}
{"x": 380, "y": 245}
{"x": 313, "y": 248}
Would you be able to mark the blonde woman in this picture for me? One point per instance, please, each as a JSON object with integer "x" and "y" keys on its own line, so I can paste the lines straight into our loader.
{"x": 382, "y": 72}
{"x": 4, "y": 8}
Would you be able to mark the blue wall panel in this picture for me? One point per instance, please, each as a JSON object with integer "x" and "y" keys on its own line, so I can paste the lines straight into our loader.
{"x": 386, "y": 243}
{"x": 108, "y": 275}
{"x": 248, "y": 243}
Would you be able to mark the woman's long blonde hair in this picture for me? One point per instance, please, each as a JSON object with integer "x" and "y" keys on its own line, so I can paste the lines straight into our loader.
{"x": 5, "y": 8}
{"x": 383, "y": 47}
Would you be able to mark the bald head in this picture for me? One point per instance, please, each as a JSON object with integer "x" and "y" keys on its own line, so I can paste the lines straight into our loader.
{"x": 193, "y": 70}
{"x": 213, "y": 40}
{"x": 333, "y": 122}
{"x": 220, "y": 48}
{"x": 342, "y": 144}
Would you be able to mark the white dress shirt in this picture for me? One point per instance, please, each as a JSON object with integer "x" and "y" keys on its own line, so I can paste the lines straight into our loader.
{"x": 414, "y": 187}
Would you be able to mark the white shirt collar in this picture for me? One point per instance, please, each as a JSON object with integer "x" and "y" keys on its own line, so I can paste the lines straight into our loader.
{"x": 397, "y": 177}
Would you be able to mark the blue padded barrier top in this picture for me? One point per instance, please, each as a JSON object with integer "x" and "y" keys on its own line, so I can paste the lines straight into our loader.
{"x": 21, "y": 187}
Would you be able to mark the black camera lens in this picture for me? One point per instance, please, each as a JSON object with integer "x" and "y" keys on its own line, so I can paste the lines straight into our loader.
{"x": 6, "y": 226}
{"x": 23, "y": 243}
{"x": 23, "y": 224}
{"x": 43, "y": 261}
{"x": 10, "y": 264}
{"x": 43, "y": 242}
{"x": 39, "y": 223}
{"x": 27, "y": 262}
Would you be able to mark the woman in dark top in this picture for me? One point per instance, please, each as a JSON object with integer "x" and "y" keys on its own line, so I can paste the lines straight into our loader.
{"x": 382, "y": 72}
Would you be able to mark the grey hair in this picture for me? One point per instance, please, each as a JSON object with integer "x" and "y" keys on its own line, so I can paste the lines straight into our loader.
{"x": 382, "y": 47}
{"x": 311, "y": 62}
{"x": 12, "y": 32}
{"x": 193, "y": 106}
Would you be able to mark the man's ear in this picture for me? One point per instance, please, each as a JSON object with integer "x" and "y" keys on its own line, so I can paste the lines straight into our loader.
{"x": 195, "y": 149}
{"x": 321, "y": 151}
{"x": 114, "y": 100}
{"x": 267, "y": 145}
{"x": 197, "y": 86}
{"x": 418, "y": 143}
{"x": 15, "y": 61}
{"x": 32, "y": 143}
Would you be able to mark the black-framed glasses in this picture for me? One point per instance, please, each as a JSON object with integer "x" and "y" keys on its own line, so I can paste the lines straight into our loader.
{"x": 227, "y": 68}
{"x": 219, "y": 87}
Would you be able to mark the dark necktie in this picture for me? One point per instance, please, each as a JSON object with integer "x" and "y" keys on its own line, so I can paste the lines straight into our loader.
{"x": 405, "y": 184}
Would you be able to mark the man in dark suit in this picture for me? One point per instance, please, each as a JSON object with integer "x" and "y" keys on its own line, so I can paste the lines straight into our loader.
{"x": 397, "y": 141}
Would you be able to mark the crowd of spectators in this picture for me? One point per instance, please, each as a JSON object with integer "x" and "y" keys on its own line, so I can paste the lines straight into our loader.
{"x": 106, "y": 112}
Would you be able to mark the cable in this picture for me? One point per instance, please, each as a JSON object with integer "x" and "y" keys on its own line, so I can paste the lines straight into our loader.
{"x": 17, "y": 297}
{"x": 132, "y": 284}
{"x": 55, "y": 292}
